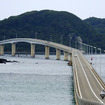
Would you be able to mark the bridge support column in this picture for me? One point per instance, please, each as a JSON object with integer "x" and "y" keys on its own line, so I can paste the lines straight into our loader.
{"x": 13, "y": 49}
{"x": 32, "y": 50}
{"x": 70, "y": 57}
{"x": 65, "y": 56}
{"x": 46, "y": 52}
{"x": 1, "y": 50}
{"x": 57, "y": 54}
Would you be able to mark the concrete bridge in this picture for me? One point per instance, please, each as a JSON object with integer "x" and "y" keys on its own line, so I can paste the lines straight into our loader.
{"x": 87, "y": 83}
{"x": 67, "y": 50}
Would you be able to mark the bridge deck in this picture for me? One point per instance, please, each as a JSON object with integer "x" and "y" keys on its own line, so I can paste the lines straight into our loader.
{"x": 88, "y": 85}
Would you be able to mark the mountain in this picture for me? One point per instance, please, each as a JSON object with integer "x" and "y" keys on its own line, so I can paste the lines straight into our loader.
{"x": 98, "y": 24}
{"x": 49, "y": 25}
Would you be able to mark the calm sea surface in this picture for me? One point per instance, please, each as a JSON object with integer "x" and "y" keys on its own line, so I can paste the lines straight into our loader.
{"x": 40, "y": 82}
{"x": 36, "y": 82}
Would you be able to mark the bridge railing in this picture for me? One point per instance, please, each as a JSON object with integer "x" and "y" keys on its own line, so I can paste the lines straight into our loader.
{"x": 78, "y": 99}
{"x": 97, "y": 75}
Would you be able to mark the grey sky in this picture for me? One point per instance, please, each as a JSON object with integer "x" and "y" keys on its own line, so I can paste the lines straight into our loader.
{"x": 81, "y": 8}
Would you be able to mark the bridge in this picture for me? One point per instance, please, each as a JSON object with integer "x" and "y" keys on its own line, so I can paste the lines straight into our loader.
{"x": 67, "y": 50}
{"x": 87, "y": 83}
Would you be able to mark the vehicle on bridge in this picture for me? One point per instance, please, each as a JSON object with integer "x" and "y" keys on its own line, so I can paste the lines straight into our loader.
{"x": 75, "y": 55}
{"x": 102, "y": 94}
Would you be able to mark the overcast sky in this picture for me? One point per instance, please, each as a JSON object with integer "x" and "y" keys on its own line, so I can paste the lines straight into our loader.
{"x": 81, "y": 8}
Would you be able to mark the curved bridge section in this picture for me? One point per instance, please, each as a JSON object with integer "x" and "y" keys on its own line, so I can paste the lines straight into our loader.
{"x": 36, "y": 41}
{"x": 67, "y": 50}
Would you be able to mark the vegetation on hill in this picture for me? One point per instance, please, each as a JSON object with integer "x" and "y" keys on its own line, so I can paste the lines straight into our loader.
{"x": 49, "y": 25}
{"x": 99, "y": 26}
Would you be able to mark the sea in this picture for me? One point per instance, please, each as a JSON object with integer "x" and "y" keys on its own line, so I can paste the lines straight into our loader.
{"x": 40, "y": 81}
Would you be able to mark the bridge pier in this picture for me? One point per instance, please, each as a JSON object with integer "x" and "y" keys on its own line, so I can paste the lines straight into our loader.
{"x": 57, "y": 54}
{"x": 1, "y": 49}
{"x": 13, "y": 49}
{"x": 32, "y": 50}
{"x": 46, "y": 52}
{"x": 65, "y": 56}
{"x": 70, "y": 57}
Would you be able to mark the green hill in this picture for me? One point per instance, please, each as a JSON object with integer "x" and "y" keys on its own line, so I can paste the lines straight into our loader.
{"x": 46, "y": 24}
{"x": 98, "y": 24}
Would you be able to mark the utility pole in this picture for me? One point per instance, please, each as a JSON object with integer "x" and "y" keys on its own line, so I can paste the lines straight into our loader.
{"x": 16, "y": 35}
{"x": 70, "y": 39}
{"x": 95, "y": 57}
{"x": 35, "y": 35}
{"x": 61, "y": 39}
{"x": 100, "y": 60}
{"x": 51, "y": 38}
{"x": 4, "y": 37}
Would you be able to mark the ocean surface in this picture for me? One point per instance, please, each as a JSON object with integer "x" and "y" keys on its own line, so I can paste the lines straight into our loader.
{"x": 37, "y": 81}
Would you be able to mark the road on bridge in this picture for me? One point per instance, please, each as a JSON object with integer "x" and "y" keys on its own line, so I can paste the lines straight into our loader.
{"x": 88, "y": 85}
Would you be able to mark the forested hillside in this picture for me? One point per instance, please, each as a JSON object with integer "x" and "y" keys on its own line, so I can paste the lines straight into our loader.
{"x": 98, "y": 24}
{"x": 49, "y": 25}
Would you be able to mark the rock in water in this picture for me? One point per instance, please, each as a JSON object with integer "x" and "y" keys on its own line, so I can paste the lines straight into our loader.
{"x": 3, "y": 60}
